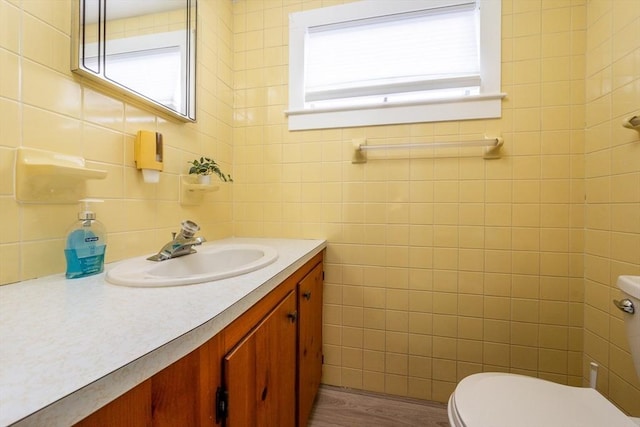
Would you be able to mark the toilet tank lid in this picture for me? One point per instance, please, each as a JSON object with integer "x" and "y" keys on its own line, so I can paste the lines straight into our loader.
{"x": 630, "y": 285}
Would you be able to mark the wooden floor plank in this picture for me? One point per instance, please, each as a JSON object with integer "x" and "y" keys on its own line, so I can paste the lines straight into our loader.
{"x": 350, "y": 408}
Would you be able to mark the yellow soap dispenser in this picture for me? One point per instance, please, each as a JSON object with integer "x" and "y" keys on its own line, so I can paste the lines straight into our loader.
{"x": 147, "y": 152}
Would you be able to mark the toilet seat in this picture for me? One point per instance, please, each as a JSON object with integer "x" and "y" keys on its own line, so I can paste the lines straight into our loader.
{"x": 510, "y": 400}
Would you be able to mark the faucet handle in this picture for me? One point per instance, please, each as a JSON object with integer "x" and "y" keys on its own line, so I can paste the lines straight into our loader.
{"x": 189, "y": 228}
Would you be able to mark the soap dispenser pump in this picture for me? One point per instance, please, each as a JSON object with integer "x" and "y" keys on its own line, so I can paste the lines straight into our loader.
{"x": 86, "y": 244}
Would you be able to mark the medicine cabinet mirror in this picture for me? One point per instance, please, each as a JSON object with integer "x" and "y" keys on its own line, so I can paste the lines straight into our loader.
{"x": 144, "y": 49}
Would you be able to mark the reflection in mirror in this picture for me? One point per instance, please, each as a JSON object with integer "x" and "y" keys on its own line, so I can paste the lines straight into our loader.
{"x": 143, "y": 47}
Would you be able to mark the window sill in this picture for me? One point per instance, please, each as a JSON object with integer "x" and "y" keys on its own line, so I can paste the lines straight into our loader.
{"x": 464, "y": 108}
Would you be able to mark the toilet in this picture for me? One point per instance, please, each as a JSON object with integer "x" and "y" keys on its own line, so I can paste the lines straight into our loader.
{"x": 493, "y": 399}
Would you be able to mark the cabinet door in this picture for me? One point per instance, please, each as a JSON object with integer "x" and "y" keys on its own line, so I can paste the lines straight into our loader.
{"x": 260, "y": 371}
{"x": 310, "y": 341}
{"x": 175, "y": 393}
{"x": 132, "y": 409}
{"x": 211, "y": 354}
{"x": 169, "y": 398}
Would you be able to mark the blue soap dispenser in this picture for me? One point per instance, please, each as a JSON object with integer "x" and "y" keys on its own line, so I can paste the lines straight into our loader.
{"x": 86, "y": 244}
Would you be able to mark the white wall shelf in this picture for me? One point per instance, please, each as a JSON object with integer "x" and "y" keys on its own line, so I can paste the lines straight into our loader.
{"x": 49, "y": 177}
{"x": 192, "y": 192}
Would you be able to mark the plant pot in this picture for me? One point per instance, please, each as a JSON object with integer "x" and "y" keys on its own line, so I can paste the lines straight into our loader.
{"x": 204, "y": 179}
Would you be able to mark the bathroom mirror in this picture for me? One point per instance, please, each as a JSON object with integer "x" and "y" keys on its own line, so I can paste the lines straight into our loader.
{"x": 143, "y": 49}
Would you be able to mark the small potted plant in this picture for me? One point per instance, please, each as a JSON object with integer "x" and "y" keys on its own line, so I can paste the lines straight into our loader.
{"x": 204, "y": 168}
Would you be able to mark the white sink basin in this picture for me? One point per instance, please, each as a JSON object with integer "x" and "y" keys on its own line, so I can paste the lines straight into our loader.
{"x": 210, "y": 263}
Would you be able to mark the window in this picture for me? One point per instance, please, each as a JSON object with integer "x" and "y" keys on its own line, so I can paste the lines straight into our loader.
{"x": 402, "y": 61}
{"x": 151, "y": 65}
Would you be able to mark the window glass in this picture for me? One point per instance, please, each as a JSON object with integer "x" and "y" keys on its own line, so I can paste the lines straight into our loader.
{"x": 402, "y": 56}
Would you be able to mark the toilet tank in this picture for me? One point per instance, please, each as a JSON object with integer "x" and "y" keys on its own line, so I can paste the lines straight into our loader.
{"x": 630, "y": 287}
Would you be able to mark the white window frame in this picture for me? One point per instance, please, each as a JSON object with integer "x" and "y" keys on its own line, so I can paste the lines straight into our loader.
{"x": 487, "y": 104}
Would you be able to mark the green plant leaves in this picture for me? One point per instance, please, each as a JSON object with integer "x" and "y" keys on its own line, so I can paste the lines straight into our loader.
{"x": 208, "y": 166}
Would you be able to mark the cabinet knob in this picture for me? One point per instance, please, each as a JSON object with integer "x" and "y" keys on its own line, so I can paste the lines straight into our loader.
{"x": 293, "y": 316}
{"x": 307, "y": 295}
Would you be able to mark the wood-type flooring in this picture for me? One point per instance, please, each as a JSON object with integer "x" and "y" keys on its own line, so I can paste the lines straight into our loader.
{"x": 352, "y": 408}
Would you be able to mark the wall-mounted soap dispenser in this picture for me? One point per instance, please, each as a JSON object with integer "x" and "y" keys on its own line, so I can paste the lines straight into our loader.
{"x": 147, "y": 152}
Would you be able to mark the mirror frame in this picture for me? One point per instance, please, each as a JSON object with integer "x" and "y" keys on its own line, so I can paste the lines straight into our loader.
{"x": 101, "y": 82}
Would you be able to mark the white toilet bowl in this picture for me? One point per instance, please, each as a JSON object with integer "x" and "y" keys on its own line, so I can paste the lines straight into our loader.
{"x": 507, "y": 400}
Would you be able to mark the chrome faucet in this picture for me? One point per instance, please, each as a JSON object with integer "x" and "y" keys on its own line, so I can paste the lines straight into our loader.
{"x": 182, "y": 243}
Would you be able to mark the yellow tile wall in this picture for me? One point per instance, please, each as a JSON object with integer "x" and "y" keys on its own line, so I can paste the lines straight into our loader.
{"x": 440, "y": 265}
{"x": 612, "y": 184}
{"x": 43, "y": 105}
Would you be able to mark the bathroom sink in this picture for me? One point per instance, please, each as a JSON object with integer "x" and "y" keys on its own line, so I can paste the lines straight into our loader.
{"x": 213, "y": 262}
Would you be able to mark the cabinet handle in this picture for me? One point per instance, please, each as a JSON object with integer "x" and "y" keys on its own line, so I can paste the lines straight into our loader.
{"x": 307, "y": 295}
{"x": 293, "y": 316}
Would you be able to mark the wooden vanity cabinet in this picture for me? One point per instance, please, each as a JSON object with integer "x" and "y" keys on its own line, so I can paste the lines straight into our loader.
{"x": 132, "y": 409}
{"x": 309, "y": 341}
{"x": 263, "y": 369}
{"x": 259, "y": 373}
{"x": 283, "y": 354}
{"x": 179, "y": 395}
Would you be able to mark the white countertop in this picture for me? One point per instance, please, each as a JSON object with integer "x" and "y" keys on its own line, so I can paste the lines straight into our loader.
{"x": 67, "y": 347}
